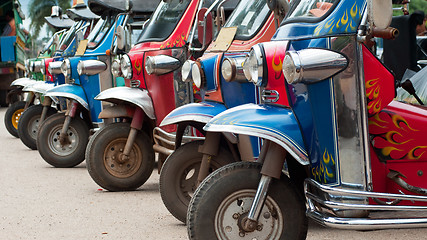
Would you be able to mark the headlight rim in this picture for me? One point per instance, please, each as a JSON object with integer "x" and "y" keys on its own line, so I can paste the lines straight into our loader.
{"x": 127, "y": 73}
{"x": 198, "y": 81}
{"x": 259, "y": 57}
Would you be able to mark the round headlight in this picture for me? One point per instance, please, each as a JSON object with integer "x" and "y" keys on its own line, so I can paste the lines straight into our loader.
{"x": 253, "y": 67}
{"x": 196, "y": 73}
{"x": 291, "y": 68}
{"x": 186, "y": 71}
{"x": 37, "y": 66}
{"x": 43, "y": 67}
{"x": 80, "y": 66}
{"x": 115, "y": 68}
{"x": 66, "y": 67}
{"x": 227, "y": 69}
{"x": 126, "y": 66}
{"x": 149, "y": 65}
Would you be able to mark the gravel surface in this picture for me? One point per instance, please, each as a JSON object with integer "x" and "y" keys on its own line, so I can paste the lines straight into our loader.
{"x": 38, "y": 201}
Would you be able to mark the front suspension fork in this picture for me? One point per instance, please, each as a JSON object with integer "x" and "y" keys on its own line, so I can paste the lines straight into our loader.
{"x": 135, "y": 126}
{"x": 72, "y": 108}
{"x": 273, "y": 157}
{"x": 209, "y": 149}
{"x": 30, "y": 98}
{"x": 47, "y": 102}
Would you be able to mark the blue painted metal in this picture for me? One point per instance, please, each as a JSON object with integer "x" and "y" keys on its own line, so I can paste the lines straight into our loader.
{"x": 72, "y": 91}
{"x": 90, "y": 85}
{"x": 275, "y": 123}
{"x": 209, "y": 68}
{"x": 344, "y": 19}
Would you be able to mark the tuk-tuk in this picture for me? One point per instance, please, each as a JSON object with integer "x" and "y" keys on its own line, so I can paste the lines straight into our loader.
{"x": 218, "y": 76}
{"x": 120, "y": 156}
{"x": 338, "y": 150}
{"x": 43, "y": 107}
{"x": 63, "y": 137}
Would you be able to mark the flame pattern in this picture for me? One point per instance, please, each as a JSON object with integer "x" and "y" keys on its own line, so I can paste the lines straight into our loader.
{"x": 178, "y": 42}
{"x": 138, "y": 66}
{"x": 372, "y": 94}
{"x": 393, "y": 138}
{"x": 347, "y": 22}
{"x": 276, "y": 64}
{"x": 325, "y": 171}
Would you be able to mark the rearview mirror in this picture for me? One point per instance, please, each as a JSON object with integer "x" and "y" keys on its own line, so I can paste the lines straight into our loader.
{"x": 204, "y": 27}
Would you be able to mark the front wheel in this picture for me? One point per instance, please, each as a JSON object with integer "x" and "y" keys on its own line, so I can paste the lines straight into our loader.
{"x": 105, "y": 162}
{"x": 220, "y": 206}
{"x": 29, "y": 123}
{"x": 60, "y": 155}
{"x": 178, "y": 178}
{"x": 12, "y": 116}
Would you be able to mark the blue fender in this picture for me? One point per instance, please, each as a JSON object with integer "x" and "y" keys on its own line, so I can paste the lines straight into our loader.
{"x": 274, "y": 123}
{"x": 196, "y": 112}
{"x": 69, "y": 91}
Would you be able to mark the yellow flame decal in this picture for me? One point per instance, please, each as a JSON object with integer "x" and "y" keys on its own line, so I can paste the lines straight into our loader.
{"x": 344, "y": 18}
{"x": 397, "y": 119}
{"x": 389, "y": 138}
{"x": 138, "y": 66}
{"x": 353, "y": 10}
{"x": 276, "y": 67}
{"x": 387, "y": 150}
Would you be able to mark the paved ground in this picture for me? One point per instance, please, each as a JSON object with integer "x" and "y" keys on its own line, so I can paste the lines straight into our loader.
{"x": 41, "y": 202}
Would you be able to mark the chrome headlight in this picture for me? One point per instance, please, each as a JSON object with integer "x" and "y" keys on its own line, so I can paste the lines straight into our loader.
{"x": 161, "y": 64}
{"x": 37, "y": 66}
{"x": 66, "y": 68}
{"x": 312, "y": 65}
{"x": 253, "y": 66}
{"x": 90, "y": 67}
{"x": 186, "y": 75}
{"x": 126, "y": 66}
{"x": 54, "y": 67}
{"x": 43, "y": 67}
{"x": 232, "y": 69}
{"x": 197, "y": 74}
{"x": 115, "y": 68}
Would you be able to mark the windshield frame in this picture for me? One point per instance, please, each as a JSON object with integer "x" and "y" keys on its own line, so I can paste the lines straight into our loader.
{"x": 304, "y": 19}
{"x": 106, "y": 18}
{"x": 150, "y": 24}
{"x": 260, "y": 26}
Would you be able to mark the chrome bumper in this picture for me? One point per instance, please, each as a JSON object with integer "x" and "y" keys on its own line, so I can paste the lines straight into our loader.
{"x": 164, "y": 142}
{"x": 324, "y": 202}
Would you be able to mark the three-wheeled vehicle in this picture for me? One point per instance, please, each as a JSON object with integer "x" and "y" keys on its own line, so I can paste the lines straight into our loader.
{"x": 354, "y": 156}
{"x": 221, "y": 86}
{"x": 120, "y": 156}
{"x": 63, "y": 137}
{"x": 32, "y": 70}
{"x": 44, "y": 107}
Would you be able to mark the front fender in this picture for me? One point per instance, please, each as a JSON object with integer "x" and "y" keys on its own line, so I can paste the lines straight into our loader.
{"x": 195, "y": 112}
{"x": 136, "y": 96}
{"x": 274, "y": 123}
{"x": 39, "y": 87}
{"x": 22, "y": 82}
{"x": 69, "y": 91}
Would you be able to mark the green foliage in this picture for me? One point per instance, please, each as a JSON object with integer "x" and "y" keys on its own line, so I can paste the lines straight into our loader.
{"x": 418, "y": 5}
{"x": 38, "y": 9}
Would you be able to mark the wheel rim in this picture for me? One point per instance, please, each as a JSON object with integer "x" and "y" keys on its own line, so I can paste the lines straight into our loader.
{"x": 187, "y": 182}
{"x": 33, "y": 126}
{"x": 233, "y": 210}
{"x": 55, "y": 145}
{"x": 112, "y": 155}
{"x": 15, "y": 117}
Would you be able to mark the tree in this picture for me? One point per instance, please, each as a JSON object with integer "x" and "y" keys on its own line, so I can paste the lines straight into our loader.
{"x": 39, "y": 9}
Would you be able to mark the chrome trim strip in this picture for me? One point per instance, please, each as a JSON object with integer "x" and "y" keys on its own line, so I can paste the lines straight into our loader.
{"x": 300, "y": 155}
{"x": 366, "y": 223}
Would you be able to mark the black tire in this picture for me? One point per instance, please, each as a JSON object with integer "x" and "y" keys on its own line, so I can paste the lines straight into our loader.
{"x": 178, "y": 178}
{"x": 104, "y": 149}
{"x": 48, "y": 144}
{"x": 224, "y": 198}
{"x": 29, "y": 123}
{"x": 12, "y": 116}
